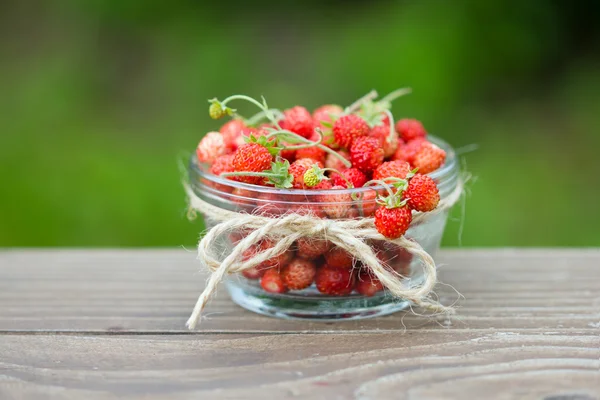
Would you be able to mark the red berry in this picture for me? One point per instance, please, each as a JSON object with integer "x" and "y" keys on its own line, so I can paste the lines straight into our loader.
{"x": 270, "y": 205}
{"x": 334, "y": 162}
{"x": 272, "y": 281}
{"x": 406, "y": 151}
{"x": 324, "y": 185}
{"x": 422, "y": 193}
{"x": 392, "y": 222}
{"x": 366, "y": 154}
{"x": 367, "y": 284}
{"x": 389, "y": 143}
{"x": 349, "y": 127}
{"x": 222, "y": 164}
{"x": 298, "y": 168}
{"x": 337, "y": 205}
{"x": 334, "y": 281}
{"x": 410, "y": 129}
{"x": 315, "y": 153}
{"x": 392, "y": 169}
{"x": 210, "y": 147}
{"x": 314, "y": 210}
{"x": 232, "y": 132}
{"x": 340, "y": 258}
{"x": 367, "y": 205}
{"x": 311, "y": 248}
{"x": 429, "y": 158}
{"x": 298, "y": 120}
{"x": 251, "y": 157}
{"x": 298, "y": 274}
{"x": 356, "y": 177}
{"x": 327, "y": 113}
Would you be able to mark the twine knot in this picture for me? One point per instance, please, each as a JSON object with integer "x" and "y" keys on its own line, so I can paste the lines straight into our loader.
{"x": 349, "y": 234}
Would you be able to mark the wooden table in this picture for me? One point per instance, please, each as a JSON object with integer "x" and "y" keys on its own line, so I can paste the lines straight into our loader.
{"x": 104, "y": 324}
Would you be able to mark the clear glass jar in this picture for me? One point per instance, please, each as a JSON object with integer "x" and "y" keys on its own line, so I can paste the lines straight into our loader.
{"x": 309, "y": 303}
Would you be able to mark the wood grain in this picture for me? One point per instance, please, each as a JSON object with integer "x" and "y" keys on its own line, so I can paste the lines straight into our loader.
{"x": 105, "y": 324}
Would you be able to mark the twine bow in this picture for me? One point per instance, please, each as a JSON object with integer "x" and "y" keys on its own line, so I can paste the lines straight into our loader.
{"x": 349, "y": 234}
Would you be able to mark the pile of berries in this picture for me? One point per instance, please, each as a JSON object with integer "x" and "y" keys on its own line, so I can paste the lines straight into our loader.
{"x": 330, "y": 150}
{"x": 330, "y": 268}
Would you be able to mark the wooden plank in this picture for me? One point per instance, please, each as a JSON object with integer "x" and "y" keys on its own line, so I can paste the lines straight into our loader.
{"x": 154, "y": 291}
{"x": 400, "y": 365}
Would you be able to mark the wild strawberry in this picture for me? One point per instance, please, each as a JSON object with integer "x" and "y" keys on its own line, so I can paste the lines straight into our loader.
{"x": 273, "y": 282}
{"x": 349, "y": 127}
{"x": 366, "y": 154}
{"x": 258, "y": 270}
{"x": 429, "y": 158}
{"x": 336, "y": 205}
{"x": 232, "y": 131}
{"x": 389, "y": 143}
{"x": 270, "y": 205}
{"x": 392, "y": 222}
{"x": 422, "y": 193}
{"x": 327, "y": 114}
{"x": 298, "y": 274}
{"x": 251, "y": 157}
{"x": 210, "y": 147}
{"x": 334, "y": 162}
{"x": 392, "y": 169}
{"x": 410, "y": 129}
{"x": 315, "y": 153}
{"x": 311, "y": 248}
{"x": 324, "y": 117}
{"x": 355, "y": 176}
{"x": 298, "y": 120}
{"x": 367, "y": 204}
{"x": 298, "y": 168}
{"x": 367, "y": 284}
{"x": 334, "y": 281}
{"x": 406, "y": 151}
{"x": 338, "y": 257}
{"x": 324, "y": 185}
{"x": 222, "y": 164}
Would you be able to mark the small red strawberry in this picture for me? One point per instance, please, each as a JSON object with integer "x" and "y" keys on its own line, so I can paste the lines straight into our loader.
{"x": 392, "y": 222}
{"x": 334, "y": 162}
{"x": 334, "y": 281}
{"x": 338, "y": 257}
{"x": 314, "y": 210}
{"x": 366, "y": 154}
{"x": 429, "y": 158}
{"x": 392, "y": 169}
{"x": 252, "y": 157}
{"x": 315, "y": 153}
{"x": 367, "y": 284}
{"x": 355, "y": 176}
{"x": 232, "y": 131}
{"x": 298, "y": 274}
{"x": 367, "y": 204}
{"x": 298, "y": 120}
{"x": 422, "y": 193}
{"x": 298, "y": 168}
{"x": 336, "y": 205}
{"x": 410, "y": 129}
{"x": 270, "y": 205}
{"x": 327, "y": 114}
{"x": 311, "y": 248}
{"x": 210, "y": 147}
{"x": 258, "y": 270}
{"x": 389, "y": 143}
{"x": 272, "y": 281}
{"x": 324, "y": 185}
{"x": 349, "y": 127}
{"x": 406, "y": 151}
{"x": 222, "y": 164}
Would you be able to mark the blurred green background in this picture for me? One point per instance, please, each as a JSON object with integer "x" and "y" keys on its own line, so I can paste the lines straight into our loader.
{"x": 99, "y": 99}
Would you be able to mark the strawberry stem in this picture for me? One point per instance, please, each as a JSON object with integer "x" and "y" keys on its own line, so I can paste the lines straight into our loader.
{"x": 263, "y": 106}
{"x": 395, "y": 94}
{"x": 259, "y": 116}
{"x": 247, "y": 173}
{"x": 392, "y": 127}
{"x": 382, "y": 183}
{"x": 372, "y": 95}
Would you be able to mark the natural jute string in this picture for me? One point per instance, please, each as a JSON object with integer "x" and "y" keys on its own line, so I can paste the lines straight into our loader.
{"x": 349, "y": 234}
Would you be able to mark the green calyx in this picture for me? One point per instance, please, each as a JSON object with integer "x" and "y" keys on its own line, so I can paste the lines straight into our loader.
{"x": 392, "y": 201}
{"x": 372, "y": 111}
{"x": 264, "y": 141}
